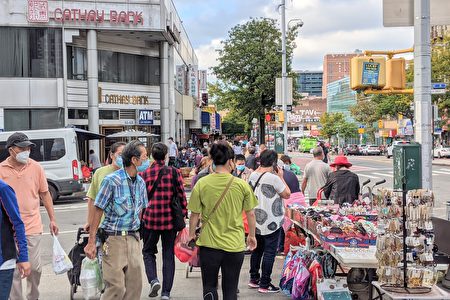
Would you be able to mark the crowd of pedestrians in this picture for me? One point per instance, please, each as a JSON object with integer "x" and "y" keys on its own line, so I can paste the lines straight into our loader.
{"x": 237, "y": 196}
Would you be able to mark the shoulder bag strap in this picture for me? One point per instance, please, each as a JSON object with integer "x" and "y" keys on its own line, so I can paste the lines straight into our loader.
{"x": 257, "y": 181}
{"x": 205, "y": 222}
{"x": 156, "y": 183}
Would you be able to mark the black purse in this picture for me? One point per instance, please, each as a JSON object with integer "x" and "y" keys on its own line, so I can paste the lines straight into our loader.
{"x": 175, "y": 205}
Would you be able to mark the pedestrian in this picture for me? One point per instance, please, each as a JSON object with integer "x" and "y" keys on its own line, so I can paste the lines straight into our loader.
{"x": 220, "y": 199}
{"x": 325, "y": 150}
{"x": 163, "y": 185}
{"x": 251, "y": 159}
{"x": 27, "y": 178}
{"x": 291, "y": 166}
{"x": 237, "y": 147}
{"x": 121, "y": 199}
{"x": 173, "y": 152}
{"x": 116, "y": 160}
{"x": 94, "y": 161}
{"x": 315, "y": 175}
{"x": 241, "y": 170}
{"x": 342, "y": 185}
{"x": 270, "y": 190}
{"x": 13, "y": 242}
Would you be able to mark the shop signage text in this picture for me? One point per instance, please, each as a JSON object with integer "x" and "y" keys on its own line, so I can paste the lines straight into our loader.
{"x": 125, "y": 99}
{"x": 145, "y": 117}
{"x": 98, "y": 16}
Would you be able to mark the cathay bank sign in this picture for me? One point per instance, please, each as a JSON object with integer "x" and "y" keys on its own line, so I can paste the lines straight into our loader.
{"x": 39, "y": 12}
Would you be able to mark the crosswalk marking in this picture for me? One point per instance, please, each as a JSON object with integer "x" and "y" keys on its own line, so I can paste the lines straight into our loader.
{"x": 383, "y": 175}
{"x": 369, "y": 176}
{"x": 441, "y": 172}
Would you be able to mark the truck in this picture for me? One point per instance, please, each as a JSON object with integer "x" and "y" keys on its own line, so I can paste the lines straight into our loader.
{"x": 306, "y": 144}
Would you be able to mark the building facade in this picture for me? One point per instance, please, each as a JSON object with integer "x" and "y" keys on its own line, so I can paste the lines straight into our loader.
{"x": 340, "y": 97}
{"x": 335, "y": 67}
{"x": 309, "y": 83}
{"x": 106, "y": 66}
{"x": 304, "y": 120}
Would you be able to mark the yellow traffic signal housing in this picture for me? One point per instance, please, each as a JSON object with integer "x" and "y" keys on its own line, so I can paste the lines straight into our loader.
{"x": 367, "y": 72}
{"x": 395, "y": 73}
{"x": 280, "y": 116}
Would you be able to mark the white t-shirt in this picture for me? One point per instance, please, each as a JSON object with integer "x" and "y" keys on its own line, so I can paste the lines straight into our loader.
{"x": 8, "y": 265}
{"x": 172, "y": 150}
{"x": 270, "y": 210}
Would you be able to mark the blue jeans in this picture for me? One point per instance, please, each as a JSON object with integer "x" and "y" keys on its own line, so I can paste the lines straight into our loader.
{"x": 266, "y": 251}
{"x": 6, "y": 278}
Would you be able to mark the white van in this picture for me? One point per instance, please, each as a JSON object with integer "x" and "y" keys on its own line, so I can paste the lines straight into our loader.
{"x": 57, "y": 150}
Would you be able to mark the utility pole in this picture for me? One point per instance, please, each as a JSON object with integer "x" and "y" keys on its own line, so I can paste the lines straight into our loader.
{"x": 284, "y": 74}
{"x": 422, "y": 87}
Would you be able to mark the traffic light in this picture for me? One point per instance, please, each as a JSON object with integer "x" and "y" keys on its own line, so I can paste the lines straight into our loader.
{"x": 280, "y": 116}
{"x": 270, "y": 117}
{"x": 395, "y": 73}
{"x": 367, "y": 72}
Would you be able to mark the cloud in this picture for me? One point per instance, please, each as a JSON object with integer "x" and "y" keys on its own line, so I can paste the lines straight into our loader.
{"x": 330, "y": 26}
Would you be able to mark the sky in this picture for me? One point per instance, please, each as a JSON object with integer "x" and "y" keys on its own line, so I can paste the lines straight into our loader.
{"x": 330, "y": 26}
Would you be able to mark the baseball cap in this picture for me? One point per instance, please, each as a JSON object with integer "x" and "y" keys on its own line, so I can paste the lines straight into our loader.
{"x": 19, "y": 139}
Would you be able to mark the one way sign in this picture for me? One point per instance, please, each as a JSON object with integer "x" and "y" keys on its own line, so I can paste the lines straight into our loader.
{"x": 145, "y": 117}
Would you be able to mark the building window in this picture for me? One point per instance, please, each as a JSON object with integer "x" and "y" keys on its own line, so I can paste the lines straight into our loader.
{"x": 128, "y": 68}
{"x": 29, "y": 119}
{"x": 77, "y": 114}
{"x": 31, "y": 52}
{"x": 76, "y": 63}
{"x": 109, "y": 114}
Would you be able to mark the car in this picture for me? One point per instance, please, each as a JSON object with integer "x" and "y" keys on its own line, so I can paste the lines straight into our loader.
{"x": 390, "y": 148}
{"x": 371, "y": 150}
{"x": 352, "y": 150}
{"x": 441, "y": 151}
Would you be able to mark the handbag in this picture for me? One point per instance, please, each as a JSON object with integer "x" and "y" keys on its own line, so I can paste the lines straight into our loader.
{"x": 175, "y": 205}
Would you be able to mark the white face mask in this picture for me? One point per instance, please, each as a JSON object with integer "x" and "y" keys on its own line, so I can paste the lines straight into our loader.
{"x": 23, "y": 157}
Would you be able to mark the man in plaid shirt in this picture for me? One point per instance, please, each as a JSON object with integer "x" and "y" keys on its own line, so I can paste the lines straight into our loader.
{"x": 157, "y": 220}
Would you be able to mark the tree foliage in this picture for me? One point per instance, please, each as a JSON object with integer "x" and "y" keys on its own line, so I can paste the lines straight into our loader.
{"x": 249, "y": 62}
{"x": 336, "y": 124}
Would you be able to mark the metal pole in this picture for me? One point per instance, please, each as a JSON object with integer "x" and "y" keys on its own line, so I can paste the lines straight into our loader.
{"x": 92, "y": 75}
{"x": 167, "y": 119}
{"x": 422, "y": 86}
{"x": 284, "y": 74}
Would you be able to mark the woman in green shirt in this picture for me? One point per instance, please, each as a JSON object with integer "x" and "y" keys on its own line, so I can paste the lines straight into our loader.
{"x": 222, "y": 240}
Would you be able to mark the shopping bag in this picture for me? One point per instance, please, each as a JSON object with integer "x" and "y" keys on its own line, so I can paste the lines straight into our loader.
{"x": 90, "y": 278}
{"x": 61, "y": 261}
{"x": 183, "y": 251}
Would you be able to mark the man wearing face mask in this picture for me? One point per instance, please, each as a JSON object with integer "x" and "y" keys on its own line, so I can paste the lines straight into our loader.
{"x": 241, "y": 170}
{"x": 116, "y": 163}
{"x": 27, "y": 178}
{"x": 121, "y": 199}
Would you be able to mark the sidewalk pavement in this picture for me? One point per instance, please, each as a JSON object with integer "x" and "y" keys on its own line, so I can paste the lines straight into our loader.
{"x": 57, "y": 287}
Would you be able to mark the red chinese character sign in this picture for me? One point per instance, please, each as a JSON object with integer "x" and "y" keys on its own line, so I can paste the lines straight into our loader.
{"x": 37, "y": 11}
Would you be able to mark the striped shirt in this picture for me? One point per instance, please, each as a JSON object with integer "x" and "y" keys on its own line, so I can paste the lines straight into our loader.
{"x": 122, "y": 201}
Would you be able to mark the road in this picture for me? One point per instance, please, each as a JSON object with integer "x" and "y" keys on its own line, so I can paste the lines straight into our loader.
{"x": 377, "y": 168}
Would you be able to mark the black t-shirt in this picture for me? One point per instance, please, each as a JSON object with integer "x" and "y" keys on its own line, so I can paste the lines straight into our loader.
{"x": 325, "y": 154}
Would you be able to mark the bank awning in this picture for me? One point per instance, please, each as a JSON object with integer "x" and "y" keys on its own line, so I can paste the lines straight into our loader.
{"x": 84, "y": 135}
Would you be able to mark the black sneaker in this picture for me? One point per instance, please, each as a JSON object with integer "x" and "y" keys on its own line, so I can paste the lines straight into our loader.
{"x": 253, "y": 284}
{"x": 154, "y": 288}
{"x": 270, "y": 289}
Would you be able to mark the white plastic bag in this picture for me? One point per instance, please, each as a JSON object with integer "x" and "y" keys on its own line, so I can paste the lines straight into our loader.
{"x": 61, "y": 262}
{"x": 90, "y": 278}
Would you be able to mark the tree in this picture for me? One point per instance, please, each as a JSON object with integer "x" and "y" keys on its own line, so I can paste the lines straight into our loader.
{"x": 249, "y": 62}
{"x": 334, "y": 124}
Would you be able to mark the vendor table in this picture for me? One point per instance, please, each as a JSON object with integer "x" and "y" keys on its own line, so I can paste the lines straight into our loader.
{"x": 436, "y": 293}
{"x": 355, "y": 257}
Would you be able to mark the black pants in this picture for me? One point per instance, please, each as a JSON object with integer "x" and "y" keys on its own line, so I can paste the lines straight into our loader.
{"x": 230, "y": 263}
{"x": 149, "y": 251}
{"x": 265, "y": 251}
{"x": 172, "y": 161}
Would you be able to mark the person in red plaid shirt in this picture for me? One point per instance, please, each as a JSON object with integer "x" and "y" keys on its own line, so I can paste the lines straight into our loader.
{"x": 157, "y": 220}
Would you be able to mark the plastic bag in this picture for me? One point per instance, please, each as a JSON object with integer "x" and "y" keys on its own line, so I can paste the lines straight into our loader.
{"x": 183, "y": 252}
{"x": 61, "y": 261}
{"x": 90, "y": 278}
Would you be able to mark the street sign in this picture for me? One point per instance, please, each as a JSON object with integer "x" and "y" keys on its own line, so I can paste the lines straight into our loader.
{"x": 398, "y": 13}
{"x": 288, "y": 96}
{"x": 360, "y": 130}
{"x": 438, "y": 91}
{"x": 439, "y": 85}
{"x": 280, "y": 107}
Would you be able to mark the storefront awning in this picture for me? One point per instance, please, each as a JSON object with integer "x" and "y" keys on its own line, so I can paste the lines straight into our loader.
{"x": 84, "y": 135}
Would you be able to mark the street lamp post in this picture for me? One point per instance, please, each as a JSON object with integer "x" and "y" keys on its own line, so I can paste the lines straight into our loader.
{"x": 284, "y": 73}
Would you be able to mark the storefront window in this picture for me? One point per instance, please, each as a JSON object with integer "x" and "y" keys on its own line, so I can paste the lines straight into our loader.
{"x": 109, "y": 115}
{"x": 128, "y": 68}
{"x": 28, "y": 119}
{"x": 31, "y": 52}
{"x": 76, "y": 63}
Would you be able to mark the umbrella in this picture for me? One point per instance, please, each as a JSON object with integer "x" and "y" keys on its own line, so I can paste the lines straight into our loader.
{"x": 131, "y": 134}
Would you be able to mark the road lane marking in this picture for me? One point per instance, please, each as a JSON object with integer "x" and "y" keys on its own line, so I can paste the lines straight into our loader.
{"x": 441, "y": 172}
{"x": 448, "y": 170}
{"x": 383, "y": 175}
{"x": 369, "y": 176}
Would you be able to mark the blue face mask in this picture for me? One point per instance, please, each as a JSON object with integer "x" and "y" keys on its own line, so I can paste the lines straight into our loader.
{"x": 240, "y": 168}
{"x": 144, "y": 166}
{"x": 119, "y": 161}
